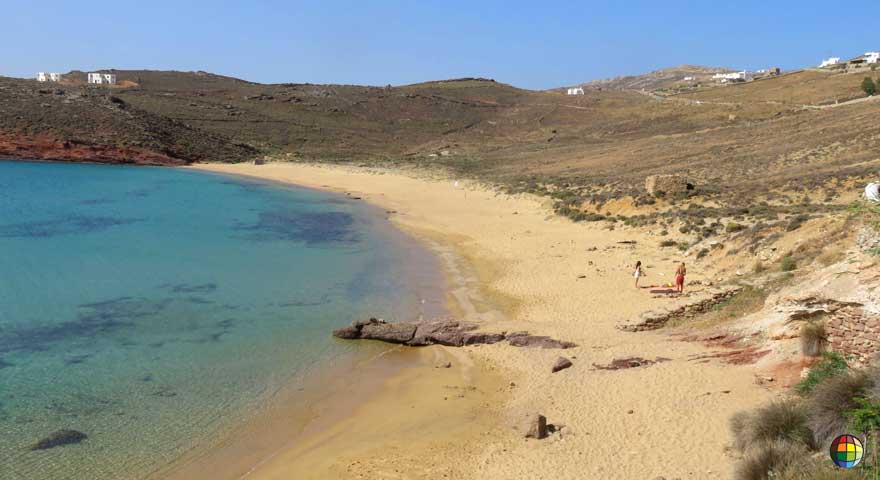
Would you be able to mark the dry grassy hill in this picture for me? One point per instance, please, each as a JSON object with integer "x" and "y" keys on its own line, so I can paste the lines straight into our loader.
{"x": 738, "y": 144}
{"x": 658, "y": 79}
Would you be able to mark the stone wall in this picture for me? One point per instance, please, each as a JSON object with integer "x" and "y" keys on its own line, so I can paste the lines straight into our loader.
{"x": 666, "y": 184}
{"x": 854, "y": 333}
{"x": 653, "y": 320}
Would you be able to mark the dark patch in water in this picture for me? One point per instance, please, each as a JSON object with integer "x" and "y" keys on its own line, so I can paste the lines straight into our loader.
{"x": 157, "y": 344}
{"x": 72, "y": 225}
{"x": 324, "y": 300}
{"x": 96, "y": 201}
{"x": 309, "y": 227}
{"x": 76, "y": 359}
{"x": 189, "y": 288}
{"x": 212, "y": 338}
{"x": 165, "y": 392}
{"x": 199, "y": 301}
{"x": 246, "y": 186}
{"x": 81, "y": 404}
{"x": 93, "y": 319}
{"x": 226, "y": 324}
{"x": 147, "y": 378}
{"x": 142, "y": 192}
{"x": 5, "y": 364}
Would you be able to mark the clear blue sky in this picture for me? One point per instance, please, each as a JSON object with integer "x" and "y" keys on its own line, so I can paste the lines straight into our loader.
{"x": 530, "y": 44}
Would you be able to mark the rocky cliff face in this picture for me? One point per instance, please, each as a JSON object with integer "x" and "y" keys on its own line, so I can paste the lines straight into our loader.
{"x": 844, "y": 296}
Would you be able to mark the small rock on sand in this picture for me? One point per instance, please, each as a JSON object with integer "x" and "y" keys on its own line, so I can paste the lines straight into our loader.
{"x": 535, "y": 426}
{"x": 561, "y": 364}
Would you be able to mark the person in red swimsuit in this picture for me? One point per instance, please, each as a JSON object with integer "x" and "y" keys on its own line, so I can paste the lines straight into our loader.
{"x": 679, "y": 278}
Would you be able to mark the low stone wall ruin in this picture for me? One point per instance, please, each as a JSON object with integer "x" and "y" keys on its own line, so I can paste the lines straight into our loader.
{"x": 653, "y": 320}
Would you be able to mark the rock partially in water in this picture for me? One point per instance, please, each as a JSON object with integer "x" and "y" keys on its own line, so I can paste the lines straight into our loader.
{"x": 59, "y": 438}
{"x": 441, "y": 332}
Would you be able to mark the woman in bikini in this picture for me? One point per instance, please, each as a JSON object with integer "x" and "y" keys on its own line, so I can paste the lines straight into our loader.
{"x": 679, "y": 278}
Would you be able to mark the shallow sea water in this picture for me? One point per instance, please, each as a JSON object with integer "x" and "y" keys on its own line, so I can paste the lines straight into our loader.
{"x": 155, "y": 309}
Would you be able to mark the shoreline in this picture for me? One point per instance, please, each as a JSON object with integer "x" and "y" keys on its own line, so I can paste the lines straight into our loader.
{"x": 540, "y": 271}
{"x": 299, "y": 414}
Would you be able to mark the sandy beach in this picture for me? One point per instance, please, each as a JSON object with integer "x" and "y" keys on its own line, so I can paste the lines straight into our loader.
{"x": 512, "y": 266}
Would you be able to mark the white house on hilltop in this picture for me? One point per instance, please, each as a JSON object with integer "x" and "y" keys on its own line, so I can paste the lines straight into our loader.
{"x": 872, "y": 57}
{"x": 575, "y": 91}
{"x": 48, "y": 77}
{"x": 829, "y": 62}
{"x": 102, "y": 78}
{"x": 734, "y": 76}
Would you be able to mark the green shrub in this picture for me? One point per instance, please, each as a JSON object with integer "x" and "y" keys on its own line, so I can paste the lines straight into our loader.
{"x": 734, "y": 227}
{"x": 832, "y": 364}
{"x": 787, "y": 264}
{"x": 668, "y": 243}
{"x": 702, "y": 253}
{"x": 868, "y": 86}
{"x": 813, "y": 339}
{"x": 795, "y": 222}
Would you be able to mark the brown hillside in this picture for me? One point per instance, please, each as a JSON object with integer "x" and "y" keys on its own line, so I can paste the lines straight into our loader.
{"x": 738, "y": 144}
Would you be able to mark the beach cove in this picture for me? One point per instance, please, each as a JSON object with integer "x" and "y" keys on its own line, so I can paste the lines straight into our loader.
{"x": 526, "y": 270}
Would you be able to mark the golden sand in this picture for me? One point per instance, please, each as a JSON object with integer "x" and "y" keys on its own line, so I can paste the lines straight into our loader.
{"x": 515, "y": 266}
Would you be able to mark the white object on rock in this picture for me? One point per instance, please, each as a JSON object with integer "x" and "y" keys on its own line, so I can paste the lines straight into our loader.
{"x": 872, "y": 192}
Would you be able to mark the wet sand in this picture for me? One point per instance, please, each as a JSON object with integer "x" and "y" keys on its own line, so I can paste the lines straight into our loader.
{"x": 518, "y": 267}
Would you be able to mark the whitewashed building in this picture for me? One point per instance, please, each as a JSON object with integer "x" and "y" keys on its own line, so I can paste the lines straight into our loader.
{"x": 102, "y": 78}
{"x": 48, "y": 77}
{"x": 734, "y": 76}
{"x": 829, "y": 62}
{"x": 872, "y": 57}
{"x": 575, "y": 91}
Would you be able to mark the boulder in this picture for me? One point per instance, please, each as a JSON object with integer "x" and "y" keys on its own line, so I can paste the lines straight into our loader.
{"x": 535, "y": 426}
{"x": 666, "y": 184}
{"x": 561, "y": 364}
{"x": 59, "y": 438}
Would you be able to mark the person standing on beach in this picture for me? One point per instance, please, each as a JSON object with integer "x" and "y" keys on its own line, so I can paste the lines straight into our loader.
{"x": 638, "y": 273}
{"x": 679, "y": 278}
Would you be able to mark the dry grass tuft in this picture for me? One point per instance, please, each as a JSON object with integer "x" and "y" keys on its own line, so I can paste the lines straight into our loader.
{"x": 832, "y": 399}
{"x": 779, "y": 421}
{"x": 770, "y": 460}
{"x": 813, "y": 339}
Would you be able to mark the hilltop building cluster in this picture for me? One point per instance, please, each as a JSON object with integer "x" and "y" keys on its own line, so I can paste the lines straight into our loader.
{"x": 869, "y": 58}
{"x": 48, "y": 77}
{"x": 102, "y": 78}
{"x": 93, "y": 78}
{"x": 575, "y": 91}
{"x": 745, "y": 75}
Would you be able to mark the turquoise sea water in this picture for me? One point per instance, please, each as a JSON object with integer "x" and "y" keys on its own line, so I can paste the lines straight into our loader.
{"x": 154, "y": 308}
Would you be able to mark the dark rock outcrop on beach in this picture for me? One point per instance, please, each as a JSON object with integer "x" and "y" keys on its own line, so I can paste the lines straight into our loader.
{"x": 451, "y": 333}
{"x": 629, "y": 362}
{"x": 59, "y": 438}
